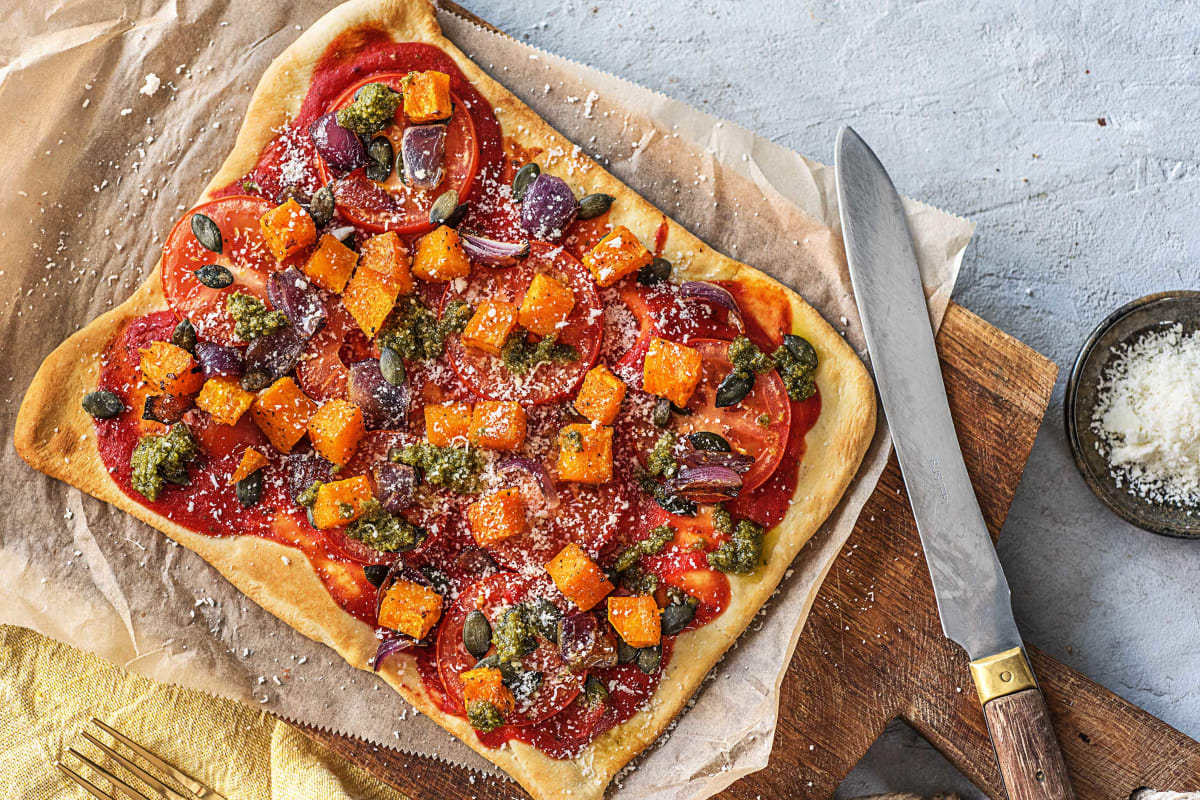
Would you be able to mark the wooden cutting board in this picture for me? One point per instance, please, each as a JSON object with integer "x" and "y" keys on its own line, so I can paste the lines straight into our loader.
{"x": 873, "y": 650}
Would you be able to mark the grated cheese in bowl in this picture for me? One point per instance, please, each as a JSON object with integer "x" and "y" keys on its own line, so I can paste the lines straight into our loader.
{"x": 1147, "y": 416}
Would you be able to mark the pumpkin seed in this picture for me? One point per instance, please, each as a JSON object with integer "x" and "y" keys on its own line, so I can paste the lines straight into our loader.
{"x": 379, "y": 155}
{"x": 391, "y": 364}
{"x": 320, "y": 208}
{"x": 508, "y": 671}
{"x": 437, "y": 579}
{"x": 595, "y": 692}
{"x": 625, "y": 653}
{"x": 184, "y": 335}
{"x": 679, "y": 506}
{"x": 544, "y": 617}
{"x": 593, "y": 205}
{"x": 102, "y": 404}
{"x": 400, "y": 166}
{"x": 661, "y": 416}
{"x": 214, "y": 276}
{"x": 249, "y": 489}
{"x": 206, "y": 232}
{"x": 376, "y": 574}
{"x": 648, "y": 659}
{"x": 444, "y": 207}
{"x": 707, "y": 440}
{"x": 524, "y": 177}
{"x": 676, "y": 617}
{"x": 523, "y": 684}
{"x": 655, "y": 272}
{"x": 477, "y": 634}
{"x": 255, "y": 380}
{"x": 734, "y": 388}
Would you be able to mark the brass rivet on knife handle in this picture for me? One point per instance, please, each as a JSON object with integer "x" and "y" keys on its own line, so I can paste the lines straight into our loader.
{"x": 1004, "y": 673}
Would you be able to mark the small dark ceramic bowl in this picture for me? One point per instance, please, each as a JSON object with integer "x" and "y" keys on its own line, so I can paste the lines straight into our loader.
{"x": 1125, "y": 325}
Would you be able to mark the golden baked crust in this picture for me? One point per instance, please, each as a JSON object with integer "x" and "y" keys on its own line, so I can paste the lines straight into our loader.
{"x": 54, "y": 435}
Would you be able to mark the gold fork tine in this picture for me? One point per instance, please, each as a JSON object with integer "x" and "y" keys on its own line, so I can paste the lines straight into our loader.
{"x": 117, "y": 783}
{"x": 159, "y": 786}
{"x": 194, "y": 786}
{"x": 92, "y": 789}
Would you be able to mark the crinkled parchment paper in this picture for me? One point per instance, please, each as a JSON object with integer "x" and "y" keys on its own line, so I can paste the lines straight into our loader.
{"x": 118, "y": 114}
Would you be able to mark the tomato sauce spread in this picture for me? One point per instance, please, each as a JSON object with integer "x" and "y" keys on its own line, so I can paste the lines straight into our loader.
{"x": 479, "y": 438}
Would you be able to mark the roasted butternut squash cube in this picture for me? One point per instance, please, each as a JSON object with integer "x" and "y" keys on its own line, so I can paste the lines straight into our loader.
{"x": 331, "y": 264}
{"x": 486, "y": 685}
{"x": 287, "y": 229}
{"x": 224, "y": 399}
{"x": 336, "y": 429}
{"x": 490, "y": 326}
{"x": 388, "y": 255}
{"x": 410, "y": 608}
{"x": 440, "y": 256}
{"x": 585, "y": 453}
{"x": 616, "y": 255}
{"x": 498, "y": 424}
{"x": 498, "y": 516}
{"x": 282, "y": 411}
{"x": 448, "y": 424}
{"x": 600, "y": 396}
{"x": 672, "y": 371}
{"x": 170, "y": 369}
{"x": 370, "y": 297}
{"x": 252, "y": 461}
{"x": 547, "y": 304}
{"x": 427, "y": 97}
{"x": 636, "y": 620}
{"x": 578, "y": 577}
{"x": 341, "y": 502}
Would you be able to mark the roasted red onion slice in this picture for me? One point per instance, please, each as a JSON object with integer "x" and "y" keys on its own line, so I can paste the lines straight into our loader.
{"x": 585, "y": 643}
{"x": 276, "y": 354}
{"x": 395, "y": 485}
{"x": 719, "y": 295}
{"x": 423, "y": 150}
{"x": 706, "y": 484}
{"x": 341, "y": 148}
{"x": 548, "y": 207}
{"x": 392, "y": 642}
{"x": 491, "y": 252}
{"x": 218, "y": 360}
{"x": 738, "y": 462}
{"x": 290, "y": 292}
{"x": 384, "y": 406}
{"x": 540, "y": 474}
{"x": 305, "y": 469}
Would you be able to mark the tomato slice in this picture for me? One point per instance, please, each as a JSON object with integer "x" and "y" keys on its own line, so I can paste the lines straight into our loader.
{"x": 243, "y": 252}
{"x": 487, "y": 375}
{"x": 493, "y": 596}
{"x": 394, "y": 205}
{"x": 757, "y": 426}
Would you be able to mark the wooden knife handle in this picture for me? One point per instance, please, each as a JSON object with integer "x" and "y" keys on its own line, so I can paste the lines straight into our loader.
{"x": 1027, "y": 751}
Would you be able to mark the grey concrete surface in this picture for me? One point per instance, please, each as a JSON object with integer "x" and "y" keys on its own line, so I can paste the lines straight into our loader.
{"x": 1071, "y": 134}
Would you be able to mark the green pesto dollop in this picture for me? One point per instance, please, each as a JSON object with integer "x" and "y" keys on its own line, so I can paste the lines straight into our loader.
{"x": 373, "y": 109}
{"x": 521, "y": 356}
{"x": 416, "y": 333}
{"x": 308, "y": 497}
{"x": 654, "y": 543}
{"x": 741, "y": 553}
{"x": 252, "y": 317}
{"x": 383, "y": 530}
{"x": 796, "y": 361}
{"x": 744, "y": 355}
{"x": 661, "y": 460}
{"x": 455, "y": 468}
{"x": 515, "y": 636}
{"x": 159, "y": 459}
{"x": 639, "y": 581}
{"x": 484, "y": 716}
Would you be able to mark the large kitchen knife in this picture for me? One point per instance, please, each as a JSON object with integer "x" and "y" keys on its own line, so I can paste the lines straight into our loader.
{"x": 972, "y": 594}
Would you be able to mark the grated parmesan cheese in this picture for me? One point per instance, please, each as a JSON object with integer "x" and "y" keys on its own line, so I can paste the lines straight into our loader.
{"x": 1147, "y": 416}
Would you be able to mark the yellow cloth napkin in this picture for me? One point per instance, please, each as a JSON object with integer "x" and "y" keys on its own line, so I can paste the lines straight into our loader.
{"x": 49, "y": 692}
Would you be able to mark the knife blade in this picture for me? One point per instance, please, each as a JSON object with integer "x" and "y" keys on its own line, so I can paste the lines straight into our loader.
{"x": 973, "y": 598}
